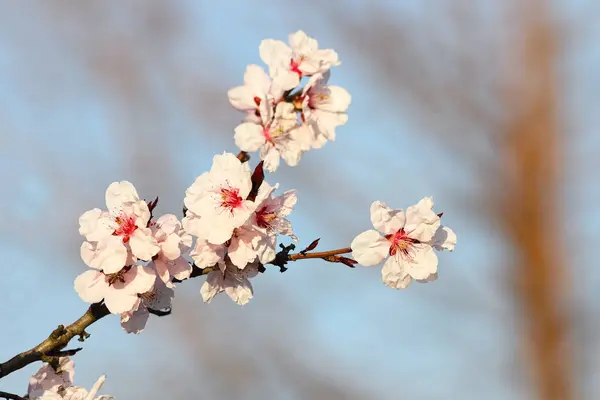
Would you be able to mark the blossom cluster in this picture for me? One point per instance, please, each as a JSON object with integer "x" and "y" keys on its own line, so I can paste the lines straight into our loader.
{"x": 406, "y": 240}
{"x": 282, "y": 118}
{"x": 235, "y": 226}
{"x": 233, "y": 218}
{"x": 56, "y": 383}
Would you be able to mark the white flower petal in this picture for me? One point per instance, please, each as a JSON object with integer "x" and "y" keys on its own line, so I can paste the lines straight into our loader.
{"x": 394, "y": 274}
{"x": 241, "y": 251}
{"x": 91, "y": 286}
{"x": 120, "y": 301}
{"x": 108, "y": 255}
{"x": 257, "y": 79}
{"x": 168, "y": 224}
{"x": 444, "y": 239}
{"x": 206, "y": 254}
{"x": 212, "y": 286}
{"x": 241, "y": 98}
{"x": 239, "y": 291}
{"x": 180, "y": 268}
{"x": 170, "y": 247}
{"x": 143, "y": 244}
{"x": 135, "y": 322}
{"x": 421, "y": 221}
{"x": 249, "y": 137}
{"x": 93, "y": 225}
{"x": 274, "y": 51}
{"x": 119, "y": 194}
{"x": 139, "y": 279}
{"x": 270, "y": 155}
{"x": 424, "y": 261}
{"x": 369, "y": 248}
{"x": 386, "y": 220}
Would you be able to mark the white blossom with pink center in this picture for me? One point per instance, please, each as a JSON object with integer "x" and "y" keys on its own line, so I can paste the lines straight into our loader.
{"x": 270, "y": 219}
{"x": 232, "y": 280}
{"x": 81, "y": 393}
{"x": 408, "y": 239}
{"x": 323, "y": 108}
{"x": 288, "y": 64}
{"x": 173, "y": 241}
{"x": 276, "y": 136}
{"x": 207, "y": 254}
{"x": 241, "y": 249}
{"x": 121, "y": 230}
{"x": 158, "y": 298}
{"x": 257, "y": 88}
{"x": 119, "y": 290}
{"x": 49, "y": 379}
{"x": 50, "y": 384}
{"x": 218, "y": 199}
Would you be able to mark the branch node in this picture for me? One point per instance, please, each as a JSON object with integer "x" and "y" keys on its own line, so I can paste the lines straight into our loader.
{"x": 58, "y": 332}
{"x": 83, "y": 335}
{"x": 282, "y": 258}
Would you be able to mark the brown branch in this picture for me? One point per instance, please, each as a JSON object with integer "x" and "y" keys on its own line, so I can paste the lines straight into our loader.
{"x": 10, "y": 396}
{"x": 56, "y": 341}
{"x": 54, "y": 344}
{"x": 284, "y": 256}
{"x": 323, "y": 254}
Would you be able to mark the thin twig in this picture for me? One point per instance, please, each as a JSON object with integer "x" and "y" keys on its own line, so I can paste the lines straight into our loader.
{"x": 54, "y": 344}
{"x": 10, "y": 396}
{"x": 56, "y": 341}
{"x": 322, "y": 254}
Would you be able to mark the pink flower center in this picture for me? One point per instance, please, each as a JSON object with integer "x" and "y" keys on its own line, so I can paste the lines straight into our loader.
{"x": 295, "y": 66}
{"x": 264, "y": 218}
{"x": 126, "y": 227}
{"x": 230, "y": 199}
{"x": 267, "y": 134}
{"x": 401, "y": 243}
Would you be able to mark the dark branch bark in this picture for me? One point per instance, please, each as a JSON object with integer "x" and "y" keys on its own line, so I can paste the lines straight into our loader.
{"x": 53, "y": 345}
{"x": 10, "y": 396}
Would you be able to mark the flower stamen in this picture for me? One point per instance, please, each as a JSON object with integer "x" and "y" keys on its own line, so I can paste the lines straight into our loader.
{"x": 230, "y": 199}
{"x": 265, "y": 219}
{"x": 126, "y": 226}
{"x": 401, "y": 244}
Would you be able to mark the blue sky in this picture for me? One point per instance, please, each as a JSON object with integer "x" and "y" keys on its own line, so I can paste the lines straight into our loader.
{"x": 425, "y": 342}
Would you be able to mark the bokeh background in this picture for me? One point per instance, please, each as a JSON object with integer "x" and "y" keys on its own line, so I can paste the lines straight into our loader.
{"x": 490, "y": 106}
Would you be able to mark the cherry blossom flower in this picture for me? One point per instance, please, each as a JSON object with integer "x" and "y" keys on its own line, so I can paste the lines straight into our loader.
{"x": 173, "y": 241}
{"x": 241, "y": 249}
{"x": 323, "y": 108}
{"x": 407, "y": 238}
{"x": 48, "y": 384}
{"x": 275, "y": 136}
{"x": 126, "y": 220}
{"x": 80, "y": 393}
{"x": 207, "y": 254}
{"x": 49, "y": 379}
{"x": 257, "y": 88}
{"x": 119, "y": 290}
{"x": 270, "y": 219}
{"x": 218, "y": 199}
{"x": 288, "y": 64}
{"x": 158, "y": 298}
{"x": 230, "y": 279}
